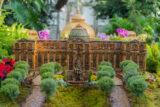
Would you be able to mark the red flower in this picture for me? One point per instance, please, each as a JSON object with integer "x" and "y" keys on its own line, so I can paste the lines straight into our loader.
{"x": 2, "y": 65}
{"x": 5, "y": 60}
{"x": 6, "y": 67}
{"x": 9, "y": 62}
{"x": 1, "y": 75}
{"x": 13, "y": 62}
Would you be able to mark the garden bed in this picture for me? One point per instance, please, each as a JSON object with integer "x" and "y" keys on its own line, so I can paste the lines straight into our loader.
{"x": 24, "y": 91}
{"x": 151, "y": 99}
{"x": 78, "y": 97}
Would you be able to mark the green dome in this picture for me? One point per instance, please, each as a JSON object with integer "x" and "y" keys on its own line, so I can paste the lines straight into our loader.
{"x": 79, "y": 33}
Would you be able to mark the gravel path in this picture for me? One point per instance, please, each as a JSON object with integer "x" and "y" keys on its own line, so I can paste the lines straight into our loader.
{"x": 118, "y": 97}
{"x": 118, "y": 82}
{"x": 36, "y": 98}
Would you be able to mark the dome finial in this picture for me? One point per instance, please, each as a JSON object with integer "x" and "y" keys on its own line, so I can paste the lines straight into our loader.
{"x": 78, "y": 12}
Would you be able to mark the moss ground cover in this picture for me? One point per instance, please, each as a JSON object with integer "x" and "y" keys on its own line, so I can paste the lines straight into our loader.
{"x": 152, "y": 98}
{"x": 24, "y": 91}
{"x": 78, "y": 97}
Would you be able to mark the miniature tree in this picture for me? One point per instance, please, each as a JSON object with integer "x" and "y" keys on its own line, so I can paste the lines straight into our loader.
{"x": 106, "y": 84}
{"x": 48, "y": 86}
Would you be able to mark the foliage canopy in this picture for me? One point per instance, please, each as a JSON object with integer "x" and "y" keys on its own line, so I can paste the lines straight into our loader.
{"x": 124, "y": 8}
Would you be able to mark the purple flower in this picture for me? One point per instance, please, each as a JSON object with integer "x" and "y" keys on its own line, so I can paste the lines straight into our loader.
{"x": 44, "y": 35}
{"x": 122, "y": 32}
{"x": 107, "y": 38}
{"x": 103, "y": 36}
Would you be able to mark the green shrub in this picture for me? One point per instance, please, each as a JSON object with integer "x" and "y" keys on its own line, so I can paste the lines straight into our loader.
{"x": 152, "y": 64}
{"x": 101, "y": 74}
{"x": 61, "y": 82}
{"x": 118, "y": 22}
{"x": 100, "y": 67}
{"x": 22, "y": 71}
{"x": 130, "y": 74}
{"x": 91, "y": 84}
{"x": 16, "y": 75}
{"x": 10, "y": 91}
{"x": 106, "y": 84}
{"x": 105, "y": 63}
{"x": 10, "y": 81}
{"x": 44, "y": 65}
{"x": 149, "y": 40}
{"x": 134, "y": 78}
{"x": 47, "y": 75}
{"x": 153, "y": 57}
{"x": 131, "y": 67}
{"x": 89, "y": 75}
{"x": 108, "y": 69}
{"x": 57, "y": 67}
{"x": 123, "y": 64}
{"x": 51, "y": 65}
{"x": 48, "y": 86}
{"x": 45, "y": 69}
{"x": 138, "y": 86}
{"x": 23, "y": 66}
{"x": 20, "y": 62}
{"x": 64, "y": 73}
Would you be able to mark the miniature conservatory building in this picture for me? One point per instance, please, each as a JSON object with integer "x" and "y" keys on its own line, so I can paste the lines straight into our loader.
{"x": 79, "y": 52}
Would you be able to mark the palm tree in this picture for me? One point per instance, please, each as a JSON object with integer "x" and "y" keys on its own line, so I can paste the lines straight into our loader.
{"x": 28, "y": 12}
{"x": 59, "y": 5}
{"x": 69, "y": 10}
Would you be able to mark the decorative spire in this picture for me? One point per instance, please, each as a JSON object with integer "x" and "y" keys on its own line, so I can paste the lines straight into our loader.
{"x": 78, "y": 12}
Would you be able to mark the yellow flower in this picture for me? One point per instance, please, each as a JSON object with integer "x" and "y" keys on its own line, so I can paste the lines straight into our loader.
{"x": 158, "y": 74}
{"x": 158, "y": 80}
{"x": 58, "y": 77}
{"x": 93, "y": 78}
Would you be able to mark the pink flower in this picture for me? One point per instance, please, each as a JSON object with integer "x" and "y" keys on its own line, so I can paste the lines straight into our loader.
{"x": 122, "y": 32}
{"x": 44, "y": 35}
{"x": 103, "y": 36}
